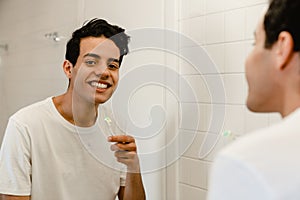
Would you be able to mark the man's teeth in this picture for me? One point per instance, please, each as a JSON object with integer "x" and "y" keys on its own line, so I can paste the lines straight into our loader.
{"x": 99, "y": 85}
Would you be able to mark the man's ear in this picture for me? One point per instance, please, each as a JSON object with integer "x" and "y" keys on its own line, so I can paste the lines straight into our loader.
{"x": 68, "y": 67}
{"x": 284, "y": 49}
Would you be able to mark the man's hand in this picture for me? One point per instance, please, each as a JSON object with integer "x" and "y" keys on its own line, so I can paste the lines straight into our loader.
{"x": 126, "y": 151}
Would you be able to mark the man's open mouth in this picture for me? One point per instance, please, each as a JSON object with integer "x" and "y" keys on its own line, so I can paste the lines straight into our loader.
{"x": 99, "y": 85}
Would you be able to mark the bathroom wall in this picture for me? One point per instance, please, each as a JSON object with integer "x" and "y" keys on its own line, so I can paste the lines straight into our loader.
{"x": 225, "y": 30}
{"x": 31, "y": 70}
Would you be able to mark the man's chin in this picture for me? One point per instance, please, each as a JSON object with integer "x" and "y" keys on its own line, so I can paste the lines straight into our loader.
{"x": 250, "y": 105}
{"x": 101, "y": 100}
{"x": 256, "y": 108}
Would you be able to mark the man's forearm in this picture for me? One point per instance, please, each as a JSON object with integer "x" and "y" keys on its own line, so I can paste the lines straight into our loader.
{"x": 134, "y": 189}
{"x": 10, "y": 197}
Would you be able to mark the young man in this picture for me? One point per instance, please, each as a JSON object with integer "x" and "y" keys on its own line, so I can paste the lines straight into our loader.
{"x": 42, "y": 155}
{"x": 264, "y": 165}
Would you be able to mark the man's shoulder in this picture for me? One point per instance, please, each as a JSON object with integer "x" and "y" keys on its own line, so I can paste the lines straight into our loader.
{"x": 32, "y": 110}
{"x": 247, "y": 144}
{"x": 266, "y": 142}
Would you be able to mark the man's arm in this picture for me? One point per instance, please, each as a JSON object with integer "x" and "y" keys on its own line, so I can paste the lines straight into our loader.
{"x": 126, "y": 153}
{"x": 9, "y": 197}
{"x": 134, "y": 188}
{"x": 15, "y": 159}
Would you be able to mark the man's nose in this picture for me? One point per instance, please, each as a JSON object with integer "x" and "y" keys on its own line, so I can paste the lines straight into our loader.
{"x": 102, "y": 70}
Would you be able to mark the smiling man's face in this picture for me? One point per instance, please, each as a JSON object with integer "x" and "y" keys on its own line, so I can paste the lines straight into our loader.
{"x": 96, "y": 73}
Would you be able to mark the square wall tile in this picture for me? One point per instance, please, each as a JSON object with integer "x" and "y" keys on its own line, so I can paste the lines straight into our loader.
{"x": 214, "y": 28}
{"x": 249, "y": 45}
{"x": 184, "y": 172}
{"x": 197, "y": 7}
{"x": 235, "y": 25}
{"x": 192, "y": 8}
{"x": 234, "y": 4}
{"x": 200, "y": 123}
{"x": 193, "y": 172}
{"x": 190, "y": 119}
{"x": 216, "y": 87}
{"x": 235, "y": 55}
{"x": 253, "y": 15}
{"x": 199, "y": 171}
{"x": 217, "y": 55}
{"x": 214, "y": 6}
{"x": 235, "y": 119}
{"x": 186, "y": 67}
{"x": 197, "y": 29}
{"x": 236, "y": 89}
{"x": 205, "y": 117}
{"x": 197, "y": 58}
{"x": 194, "y": 139}
{"x": 132, "y": 15}
{"x": 141, "y": 58}
{"x": 191, "y": 193}
{"x": 193, "y": 88}
{"x": 193, "y": 28}
{"x": 212, "y": 144}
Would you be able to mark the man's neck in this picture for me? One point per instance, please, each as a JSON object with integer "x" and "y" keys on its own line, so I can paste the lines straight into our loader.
{"x": 75, "y": 110}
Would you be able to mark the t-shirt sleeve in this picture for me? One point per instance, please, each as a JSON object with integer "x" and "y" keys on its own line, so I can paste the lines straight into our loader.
{"x": 234, "y": 179}
{"x": 15, "y": 162}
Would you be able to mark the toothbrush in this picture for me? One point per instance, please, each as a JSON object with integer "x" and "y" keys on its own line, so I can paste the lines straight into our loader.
{"x": 108, "y": 123}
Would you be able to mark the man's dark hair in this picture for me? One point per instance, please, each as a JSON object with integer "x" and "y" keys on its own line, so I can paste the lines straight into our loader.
{"x": 282, "y": 15}
{"x": 97, "y": 28}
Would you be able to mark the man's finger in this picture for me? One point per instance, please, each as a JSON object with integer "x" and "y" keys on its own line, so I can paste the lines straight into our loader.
{"x": 121, "y": 139}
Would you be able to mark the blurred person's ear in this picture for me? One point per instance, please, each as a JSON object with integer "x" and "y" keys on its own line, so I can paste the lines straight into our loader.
{"x": 284, "y": 49}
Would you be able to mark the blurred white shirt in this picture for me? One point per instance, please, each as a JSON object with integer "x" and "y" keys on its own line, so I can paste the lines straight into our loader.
{"x": 263, "y": 165}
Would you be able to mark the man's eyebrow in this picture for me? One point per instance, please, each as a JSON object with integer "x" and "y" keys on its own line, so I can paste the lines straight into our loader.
{"x": 113, "y": 60}
{"x": 92, "y": 55}
{"x": 98, "y": 57}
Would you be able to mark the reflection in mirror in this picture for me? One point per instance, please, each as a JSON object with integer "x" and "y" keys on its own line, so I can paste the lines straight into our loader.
{"x": 32, "y": 48}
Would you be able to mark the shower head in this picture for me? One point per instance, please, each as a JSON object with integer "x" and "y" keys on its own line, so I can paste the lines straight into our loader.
{"x": 54, "y": 36}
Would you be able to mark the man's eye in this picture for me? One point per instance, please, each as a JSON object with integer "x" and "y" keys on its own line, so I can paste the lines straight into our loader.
{"x": 90, "y": 62}
{"x": 113, "y": 66}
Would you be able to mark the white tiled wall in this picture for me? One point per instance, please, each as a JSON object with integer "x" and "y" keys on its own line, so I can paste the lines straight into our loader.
{"x": 225, "y": 30}
{"x": 31, "y": 69}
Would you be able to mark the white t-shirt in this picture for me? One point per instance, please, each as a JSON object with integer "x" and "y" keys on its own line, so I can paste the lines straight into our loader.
{"x": 264, "y": 165}
{"x": 45, "y": 156}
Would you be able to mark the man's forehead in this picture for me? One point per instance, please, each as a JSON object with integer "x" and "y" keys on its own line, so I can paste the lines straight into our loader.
{"x": 97, "y": 42}
{"x": 99, "y": 45}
